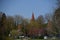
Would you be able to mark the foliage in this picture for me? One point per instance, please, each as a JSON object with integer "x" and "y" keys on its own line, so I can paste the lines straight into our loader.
{"x": 3, "y": 31}
{"x": 56, "y": 20}
{"x": 40, "y": 19}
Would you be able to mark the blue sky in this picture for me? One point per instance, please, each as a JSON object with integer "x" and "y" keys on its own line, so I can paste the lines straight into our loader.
{"x": 26, "y": 7}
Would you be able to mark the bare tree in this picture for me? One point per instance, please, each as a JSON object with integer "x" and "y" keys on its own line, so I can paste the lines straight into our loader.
{"x": 48, "y": 16}
{"x": 58, "y": 3}
{"x": 40, "y": 19}
{"x": 18, "y": 19}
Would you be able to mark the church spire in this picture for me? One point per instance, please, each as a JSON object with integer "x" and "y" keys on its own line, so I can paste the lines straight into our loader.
{"x": 32, "y": 19}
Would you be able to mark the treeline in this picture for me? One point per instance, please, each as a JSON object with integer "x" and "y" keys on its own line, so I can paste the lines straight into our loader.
{"x": 50, "y": 23}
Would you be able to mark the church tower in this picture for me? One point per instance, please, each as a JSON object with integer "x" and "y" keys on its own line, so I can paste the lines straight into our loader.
{"x": 32, "y": 19}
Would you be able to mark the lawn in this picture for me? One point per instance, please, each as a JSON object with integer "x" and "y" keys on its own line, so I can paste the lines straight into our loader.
{"x": 9, "y": 38}
{"x": 37, "y": 39}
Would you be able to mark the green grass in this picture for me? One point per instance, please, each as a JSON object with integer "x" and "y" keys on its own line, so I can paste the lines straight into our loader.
{"x": 8, "y": 38}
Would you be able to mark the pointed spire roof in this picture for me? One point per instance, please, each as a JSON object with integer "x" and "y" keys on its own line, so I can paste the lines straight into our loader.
{"x": 32, "y": 17}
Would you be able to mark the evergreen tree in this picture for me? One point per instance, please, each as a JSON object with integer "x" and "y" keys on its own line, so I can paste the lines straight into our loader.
{"x": 2, "y": 27}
